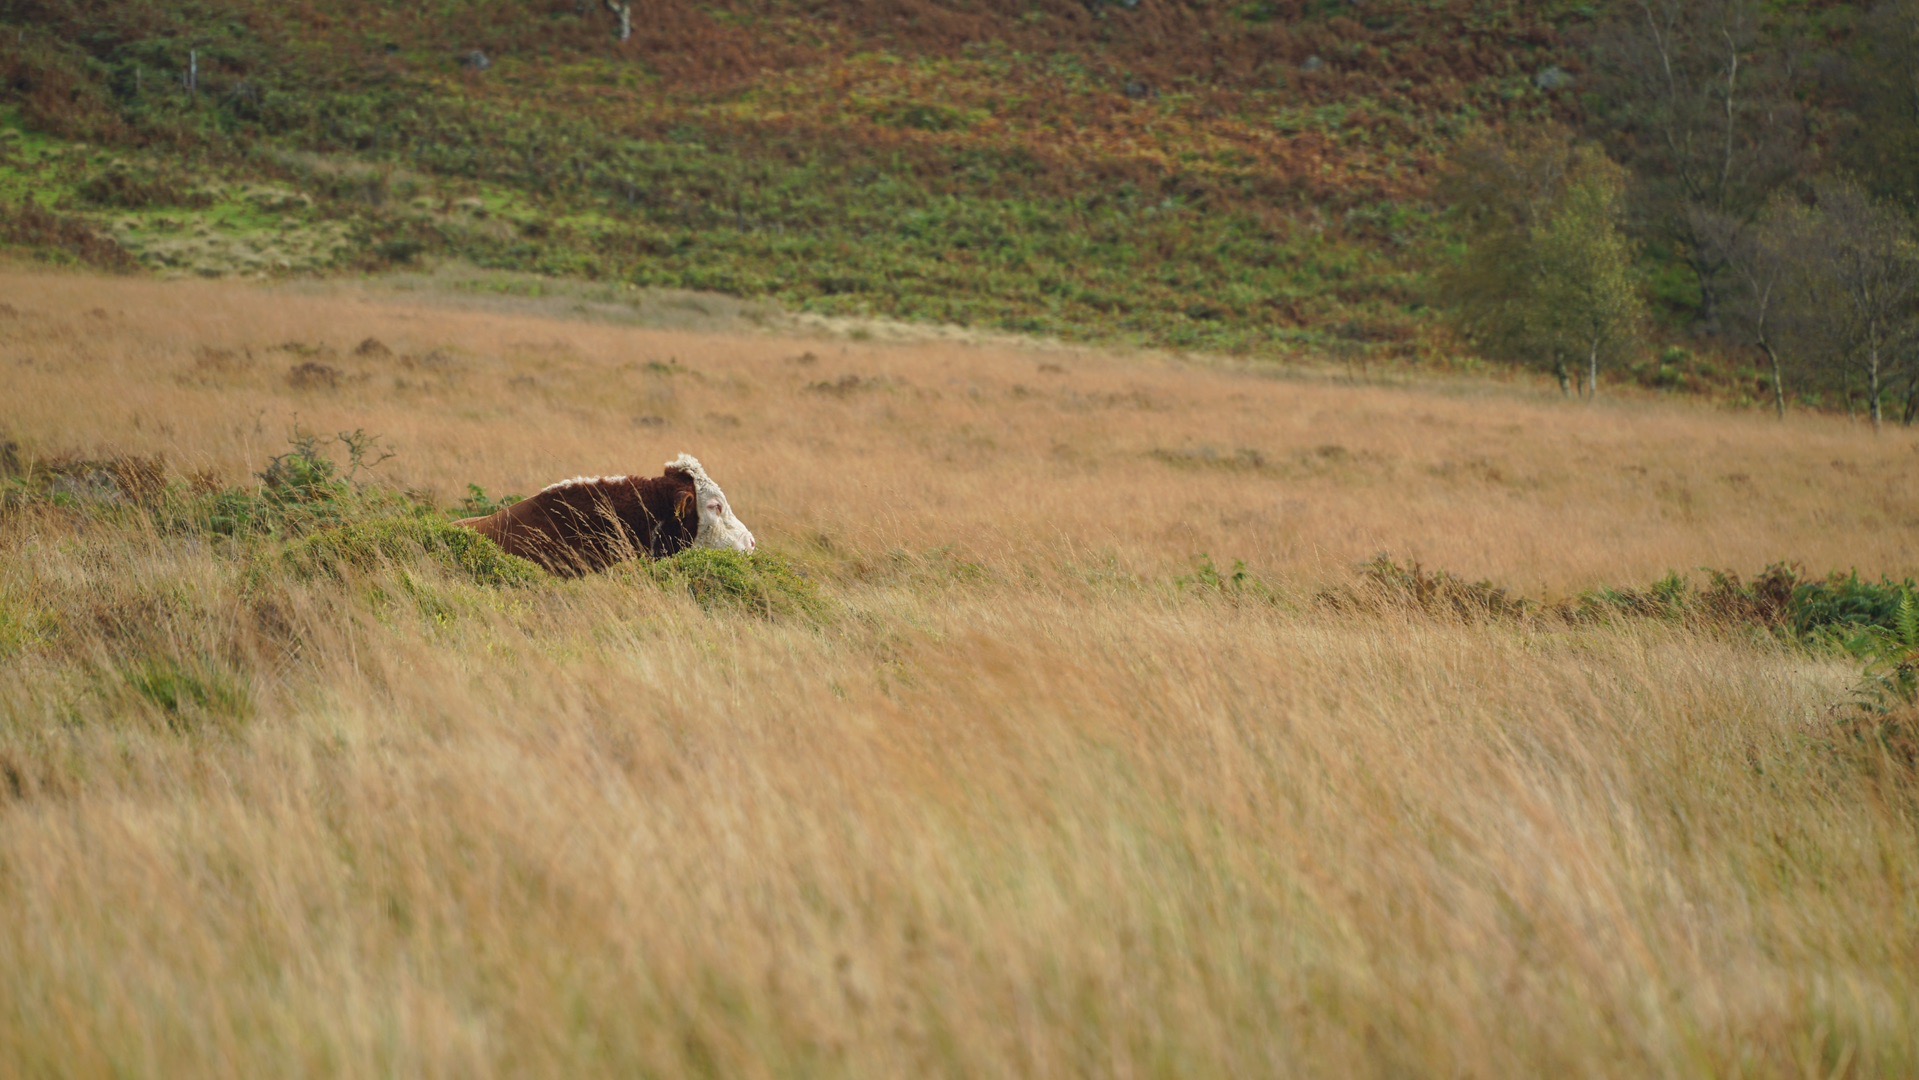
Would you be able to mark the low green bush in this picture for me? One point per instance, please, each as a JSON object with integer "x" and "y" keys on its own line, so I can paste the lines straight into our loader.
{"x": 479, "y": 504}
{"x": 760, "y": 583}
{"x": 1845, "y": 602}
{"x": 1890, "y": 654}
{"x": 362, "y": 545}
{"x": 1780, "y": 598}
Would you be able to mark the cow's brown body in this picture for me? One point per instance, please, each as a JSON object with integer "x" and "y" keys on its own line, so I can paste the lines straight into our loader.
{"x": 581, "y": 526}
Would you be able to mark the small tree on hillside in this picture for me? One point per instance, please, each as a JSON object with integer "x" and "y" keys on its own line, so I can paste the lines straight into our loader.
{"x": 620, "y": 9}
{"x": 1853, "y": 281}
{"x": 1760, "y": 309}
{"x": 1502, "y": 190}
{"x": 1546, "y": 275}
{"x": 1585, "y": 298}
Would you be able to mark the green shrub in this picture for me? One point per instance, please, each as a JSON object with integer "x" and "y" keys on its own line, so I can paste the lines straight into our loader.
{"x": 1890, "y": 654}
{"x": 479, "y": 504}
{"x": 303, "y": 474}
{"x": 301, "y": 491}
{"x": 226, "y": 513}
{"x": 1880, "y": 733}
{"x": 239, "y": 512}
{"x": 1779, "y": 598}
{"x": 759, "y": 583}
{"x": 1848, "y": 603}
{"x": 1874, "y": 623}
{"x": 362, "y": 545}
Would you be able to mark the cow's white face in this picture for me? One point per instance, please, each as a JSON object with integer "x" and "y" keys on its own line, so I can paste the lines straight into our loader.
{"x": 719, "y": 529}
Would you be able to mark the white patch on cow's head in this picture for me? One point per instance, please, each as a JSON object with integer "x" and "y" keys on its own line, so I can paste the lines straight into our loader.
{"x": 718, "y": 527}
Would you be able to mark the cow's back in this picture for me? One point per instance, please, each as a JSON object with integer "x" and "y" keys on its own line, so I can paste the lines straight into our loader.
{"x": 579, "y": 526}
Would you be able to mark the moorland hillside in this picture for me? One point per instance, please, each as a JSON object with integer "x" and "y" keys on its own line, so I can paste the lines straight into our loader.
{"x": 1232, "y": 177}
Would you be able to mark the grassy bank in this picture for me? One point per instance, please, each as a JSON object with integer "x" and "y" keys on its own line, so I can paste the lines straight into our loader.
{"x": 986, "y": 769}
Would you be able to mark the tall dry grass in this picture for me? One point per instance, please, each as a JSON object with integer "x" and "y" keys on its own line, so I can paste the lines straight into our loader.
{"x": 1020, "y": 805}
{"x": 989, "y": 450}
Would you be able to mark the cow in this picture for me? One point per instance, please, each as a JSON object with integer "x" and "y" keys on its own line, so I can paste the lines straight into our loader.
{"x": 588, "y": 523}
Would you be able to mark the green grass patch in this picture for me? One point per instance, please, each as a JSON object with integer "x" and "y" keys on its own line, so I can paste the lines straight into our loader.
{"x": 192, "y": 695}
{"x": 758, "y": 583}
{"x": 364, "y": 545}
{"x": 24, "y": 626}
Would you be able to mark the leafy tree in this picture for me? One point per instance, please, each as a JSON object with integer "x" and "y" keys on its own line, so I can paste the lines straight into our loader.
{"x": 1501, "y": 191}
{"x": 1585, "y": 298}
{"x": 1547, "y": 275}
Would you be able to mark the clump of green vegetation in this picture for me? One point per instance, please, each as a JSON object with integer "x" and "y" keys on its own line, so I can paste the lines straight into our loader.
{"x": 362, "y": 545}
{"x": 1846, "y": 603}
{"x": 1670, "y": 597}
{"x": 1890, "y": 652}
{"x": 303, "y": 474}
{"x": 759, "y": 583}
{"x": 1880, "y": 733}
{"x": 1238, "y": 583}
{"x": 1781, "y": 599}
{"x": 331, "y": 519}
{"x": 73, "y": 481}
{"x": 192, "y": 695}
{"x": 479, "y": 504}
{"x": 301, "y": 490}
{"x": 1841, "y": 610}
{"x": 23, "y": 625}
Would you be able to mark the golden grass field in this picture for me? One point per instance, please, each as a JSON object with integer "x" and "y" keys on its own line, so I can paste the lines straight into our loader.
{"x": 1021, "y": 803}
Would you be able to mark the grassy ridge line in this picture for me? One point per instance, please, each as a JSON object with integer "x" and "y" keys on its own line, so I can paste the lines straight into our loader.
{"x": 865, "y": 165}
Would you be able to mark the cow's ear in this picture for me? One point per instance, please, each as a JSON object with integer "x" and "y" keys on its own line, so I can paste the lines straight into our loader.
{"x": 683, "y": 506}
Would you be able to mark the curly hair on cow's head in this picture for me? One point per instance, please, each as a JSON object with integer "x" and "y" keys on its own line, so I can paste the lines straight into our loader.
{"x": 718, "y": 528}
